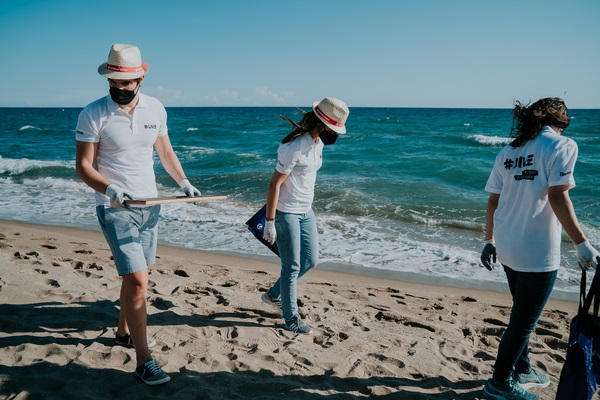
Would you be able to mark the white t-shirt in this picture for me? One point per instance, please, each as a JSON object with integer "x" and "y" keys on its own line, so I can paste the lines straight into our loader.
{"x": 125, "y": 143}
{"x": 300, "y": 160}
{"x": 526, "y": 230}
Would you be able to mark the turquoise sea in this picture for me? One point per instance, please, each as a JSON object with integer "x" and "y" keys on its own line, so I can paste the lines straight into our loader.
{"x": 400, "y": 196}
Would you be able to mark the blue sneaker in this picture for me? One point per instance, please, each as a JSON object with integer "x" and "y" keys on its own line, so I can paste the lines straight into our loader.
{"x": 296, "y": 325}
{"x": 266, "y": 298}
{"x": 152, "y": 374}
{"x": 532, "y": 379}
{"x": 509, "y": 390}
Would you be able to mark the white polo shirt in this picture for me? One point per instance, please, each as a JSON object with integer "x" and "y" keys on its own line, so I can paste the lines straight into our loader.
{"x": 300, "y": 160}
{"x": 125, "y": 143}
{"x": 526, "y": 230}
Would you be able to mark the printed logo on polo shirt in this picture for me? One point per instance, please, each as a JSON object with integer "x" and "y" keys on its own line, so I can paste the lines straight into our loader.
{"x": 566, "y": 173}
{"x": 528, "y": 174}
{"x": 518, "y": 162}
{"x": 522, "y": 162}
{"x": 148, "y": 126}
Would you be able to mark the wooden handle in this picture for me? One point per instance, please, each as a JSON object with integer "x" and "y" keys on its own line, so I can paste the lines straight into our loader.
{"x": 173, "y": 199}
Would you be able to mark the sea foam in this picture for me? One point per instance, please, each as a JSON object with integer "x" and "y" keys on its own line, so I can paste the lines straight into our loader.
{"x": 491, "y": 140}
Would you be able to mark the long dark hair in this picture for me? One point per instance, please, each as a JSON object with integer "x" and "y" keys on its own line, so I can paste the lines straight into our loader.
{"x": 308, "y": 123}
{"x": 528, "y": 121}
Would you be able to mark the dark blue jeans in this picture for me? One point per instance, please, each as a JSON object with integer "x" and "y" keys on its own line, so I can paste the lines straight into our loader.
{"x": 530, "y": 292}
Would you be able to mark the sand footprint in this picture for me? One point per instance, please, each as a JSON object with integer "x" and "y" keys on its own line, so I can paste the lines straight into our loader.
{"x": 228, "y": 333}
{"x": 360, "y": 324}
{"x": 84, "y": 251}
{"x": 200, "y": 291}
{"x": 88, "y": 274}
{"x": 161, "y": 303}
{"x": 2, "y": 243}
{"x": 323, "y": 341}
{"x": 494, "y": 321}
{"x": 381, "y": 316}
{"x": 52, "y": 282}
{"x": 215, "y": 271}
{"x": 182, "y": 273}
{"x": 96, "y": 266}
{"x": 227, "y": 283}
{"x": 388, "y": 360}
{"x": 400, "y": 299}
{"x": 28, "y": 255}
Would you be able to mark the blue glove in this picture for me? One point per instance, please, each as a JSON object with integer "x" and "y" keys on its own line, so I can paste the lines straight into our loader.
{"x": 488, "y": 254}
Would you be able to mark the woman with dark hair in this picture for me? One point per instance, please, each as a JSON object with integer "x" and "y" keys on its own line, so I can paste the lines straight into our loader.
{"x": 290, "y": 221}
{"x": 528, "y": 206}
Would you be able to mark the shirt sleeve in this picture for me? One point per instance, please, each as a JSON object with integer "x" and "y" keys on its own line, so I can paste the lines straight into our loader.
{"x": 163, "y": 131}
{"x": 287, "y": 157}
{"x": 562, "y": 164}
{"x": 86, "y": 130}
{"x": 495, "y": 180}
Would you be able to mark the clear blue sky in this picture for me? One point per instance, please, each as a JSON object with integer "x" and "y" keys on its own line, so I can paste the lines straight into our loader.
{"x": 388, "y": 53}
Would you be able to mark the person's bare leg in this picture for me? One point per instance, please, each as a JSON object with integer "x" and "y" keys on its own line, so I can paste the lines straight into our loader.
{"x": 122, "y": 328}
{"x": 133, "y": 308}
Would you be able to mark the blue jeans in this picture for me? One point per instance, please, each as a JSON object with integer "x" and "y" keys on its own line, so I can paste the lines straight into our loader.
{"x": 298, "y": 244}
{"x": 530, "y": 292}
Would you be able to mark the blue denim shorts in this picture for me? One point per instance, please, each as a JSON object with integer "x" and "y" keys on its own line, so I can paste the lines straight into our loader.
{"x": 132, "y": 235}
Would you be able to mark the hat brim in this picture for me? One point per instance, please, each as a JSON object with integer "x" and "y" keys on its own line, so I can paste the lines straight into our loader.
{"x": 337, "y": 129}
{"x": 105, "y": 72}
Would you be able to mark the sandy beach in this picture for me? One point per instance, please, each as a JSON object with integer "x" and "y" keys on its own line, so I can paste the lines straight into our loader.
{"x": 373, "y": 338}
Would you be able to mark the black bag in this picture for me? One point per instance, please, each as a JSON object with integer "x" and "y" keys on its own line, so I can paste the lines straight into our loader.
{"x": 256, "y": 225}
{"x": 581, "y": 371}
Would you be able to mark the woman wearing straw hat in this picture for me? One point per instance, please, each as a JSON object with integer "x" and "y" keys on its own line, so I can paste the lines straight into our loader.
{"x": 116, "y": 138}
{"x": 290, "y": 220}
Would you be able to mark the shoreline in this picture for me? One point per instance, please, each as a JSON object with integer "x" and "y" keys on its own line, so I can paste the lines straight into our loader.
{"x": 373, "y": 337}
{"x": 329, "y": 271}
{"x": 379, "y": 275}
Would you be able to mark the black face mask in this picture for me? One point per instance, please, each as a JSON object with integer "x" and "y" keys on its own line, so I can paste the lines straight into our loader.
{"x": 121, "y": 96}
{"x": 328, "y": 137}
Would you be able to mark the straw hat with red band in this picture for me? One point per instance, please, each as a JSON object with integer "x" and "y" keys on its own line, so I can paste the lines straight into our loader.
{"x": 124, "y": 62}
{"x": 333, "y": 112}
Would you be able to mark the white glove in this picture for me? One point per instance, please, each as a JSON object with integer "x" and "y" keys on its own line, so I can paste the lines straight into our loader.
{"x": 586, "y": 255}
{"x": 270, "y": 233}
{"x": 188, "y": 189}
{"x": 117, "y": 196}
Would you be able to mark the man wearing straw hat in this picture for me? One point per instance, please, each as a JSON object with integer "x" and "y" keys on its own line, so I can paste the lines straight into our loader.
{"x": 116, "y": 138}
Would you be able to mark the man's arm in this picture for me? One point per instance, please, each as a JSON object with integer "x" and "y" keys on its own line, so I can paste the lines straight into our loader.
{"x": 169, "y": 159}
{"x": 84, "y": 165}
